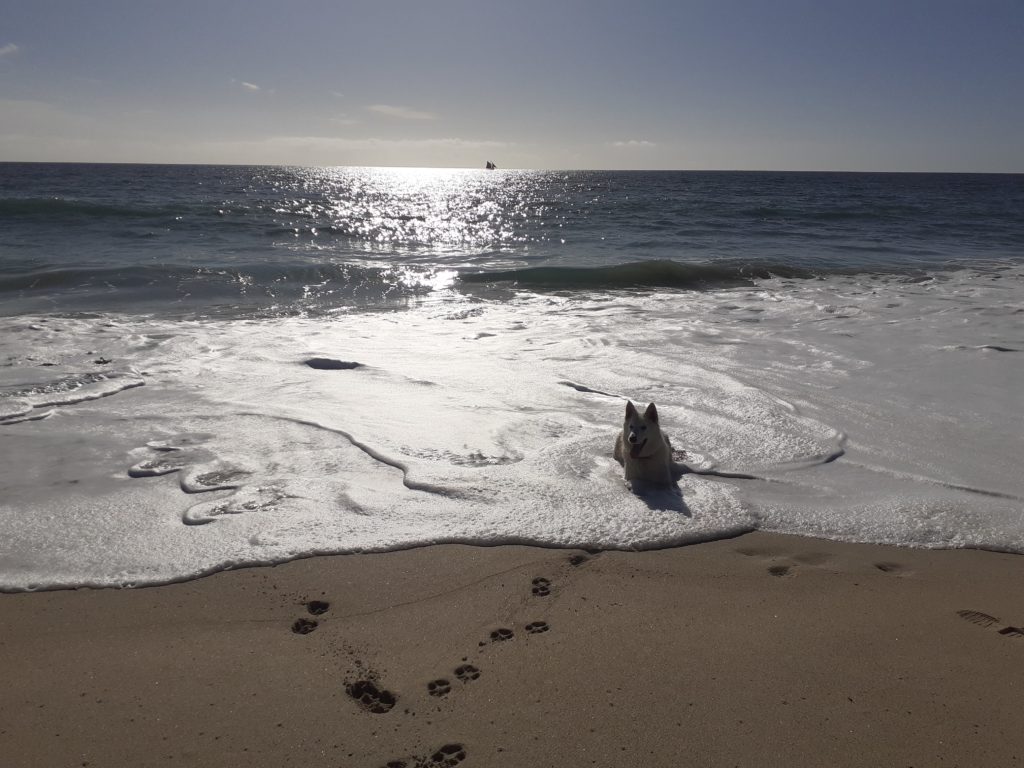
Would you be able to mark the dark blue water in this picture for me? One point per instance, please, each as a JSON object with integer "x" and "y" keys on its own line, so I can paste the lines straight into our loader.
{"x": 79, "y": 237}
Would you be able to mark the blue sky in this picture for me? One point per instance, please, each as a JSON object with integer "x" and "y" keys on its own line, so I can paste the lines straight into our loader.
{"x": 915, "y": 85}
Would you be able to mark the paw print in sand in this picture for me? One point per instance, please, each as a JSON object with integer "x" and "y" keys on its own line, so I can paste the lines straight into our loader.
{"x": 439, "y": 688}
{"x": 501, "y": 635}
{"x": 371, "y": 698}
{"x": 467, "y": 672}
{"x": 303, "y": 626}
{"x": 536, "y": 627}
{"x": 541, "y": 587}
{"x": 447, "y": 756}
{"x": 317, "y": 607}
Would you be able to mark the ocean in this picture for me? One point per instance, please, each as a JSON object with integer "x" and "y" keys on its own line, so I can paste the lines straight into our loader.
{"x": 207, "y": 367}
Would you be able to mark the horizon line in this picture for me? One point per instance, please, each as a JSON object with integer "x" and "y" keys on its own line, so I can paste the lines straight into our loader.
{"x": 500, "y": 169}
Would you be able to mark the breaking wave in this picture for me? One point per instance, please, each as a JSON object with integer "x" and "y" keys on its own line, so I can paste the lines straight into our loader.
{"x": 290, "y": 287}
{"x": 647, "y": 274}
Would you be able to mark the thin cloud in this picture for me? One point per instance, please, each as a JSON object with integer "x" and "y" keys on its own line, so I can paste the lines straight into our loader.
{"x": 634, "y": 143}
{"x": 8, "y": 50}
{"x": 343, "y": 120}
{"x": 35, "y": 130}
{"x": 402, "y": 113}
{"x": 250, "y": 86}
{"x": 374, "y": 143}
{"x": 335, "y": 150}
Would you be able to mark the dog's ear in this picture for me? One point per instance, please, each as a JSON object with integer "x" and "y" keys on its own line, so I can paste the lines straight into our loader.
{"x": 651, "y": 414}
{"x": 630, "y": 409}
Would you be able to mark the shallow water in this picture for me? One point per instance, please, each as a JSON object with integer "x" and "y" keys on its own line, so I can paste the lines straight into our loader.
{"x": 865, "y": 404}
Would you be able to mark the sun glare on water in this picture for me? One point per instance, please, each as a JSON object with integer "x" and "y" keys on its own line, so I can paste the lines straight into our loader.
{"x": 413, "y": 211}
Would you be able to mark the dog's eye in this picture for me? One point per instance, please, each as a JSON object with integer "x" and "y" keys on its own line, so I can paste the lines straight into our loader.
{"x": 643, "y": 427}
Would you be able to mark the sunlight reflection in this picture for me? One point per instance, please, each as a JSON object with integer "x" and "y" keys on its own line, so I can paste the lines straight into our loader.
{"x": 433, "y": 211}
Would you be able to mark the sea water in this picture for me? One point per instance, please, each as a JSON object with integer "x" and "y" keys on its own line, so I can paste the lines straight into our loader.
{"x": 208, "y": 367}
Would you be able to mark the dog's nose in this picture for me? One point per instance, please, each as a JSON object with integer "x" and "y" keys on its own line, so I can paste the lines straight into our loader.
{"x": 632, "y": 437}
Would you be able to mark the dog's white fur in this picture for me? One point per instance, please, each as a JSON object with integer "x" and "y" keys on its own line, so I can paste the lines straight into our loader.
{"x": 644, "y": 452}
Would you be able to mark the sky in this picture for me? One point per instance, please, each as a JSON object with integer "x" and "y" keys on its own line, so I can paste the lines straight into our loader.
{"x": 899, "y": 85}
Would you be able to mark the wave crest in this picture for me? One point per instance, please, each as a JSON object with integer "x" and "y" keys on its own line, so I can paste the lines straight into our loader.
{"x": 640, "y": 274}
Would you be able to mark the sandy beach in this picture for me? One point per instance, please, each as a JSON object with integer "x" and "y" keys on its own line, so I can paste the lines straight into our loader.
{"x": 761, "y": 650}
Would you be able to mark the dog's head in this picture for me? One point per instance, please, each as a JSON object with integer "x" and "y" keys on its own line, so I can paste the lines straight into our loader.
{"x": 641, "y": 432}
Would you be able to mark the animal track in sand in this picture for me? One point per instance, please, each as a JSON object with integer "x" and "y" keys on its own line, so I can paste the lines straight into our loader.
{"x": 371, "y": 698}
{"x": 467, "y": 672}
{"x": 780, "y": 570}
{"x": 303, "y": 626}
{"x": 317, "y": 607}
{"x": 541, "y": 587}
{"x": 579, "y": 558}
{"x": 439, "y": 687}
{"x": 536, "y": 627}
{"x": 984, "y": 620}
{"x": 500, "y": 635}
{"x": 447, "y": 756}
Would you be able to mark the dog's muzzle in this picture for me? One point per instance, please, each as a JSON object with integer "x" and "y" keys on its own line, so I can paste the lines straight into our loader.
{"x": 635, "y": 445}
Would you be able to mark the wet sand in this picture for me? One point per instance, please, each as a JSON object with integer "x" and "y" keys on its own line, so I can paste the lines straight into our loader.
{"x": 762, "y": 650}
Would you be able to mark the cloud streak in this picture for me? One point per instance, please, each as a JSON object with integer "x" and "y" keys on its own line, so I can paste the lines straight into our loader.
{"x": 329, "y": 142}
{"x": 250, "y": 86}
{"x": 22, "y": 141}
{"x": 634, "y": 144}
{"x": 8, "y": 50}
{"x": 401, "y": 113}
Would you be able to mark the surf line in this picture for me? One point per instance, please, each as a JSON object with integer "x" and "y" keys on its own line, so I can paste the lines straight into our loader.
{"x": 374, "y": 454}
{"x": 940, "y": 483}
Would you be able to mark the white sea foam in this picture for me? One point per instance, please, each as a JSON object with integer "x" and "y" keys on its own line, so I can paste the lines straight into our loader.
{"x": 864, "y": 410}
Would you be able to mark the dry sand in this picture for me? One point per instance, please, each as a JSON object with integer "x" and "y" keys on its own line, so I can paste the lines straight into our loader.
{"x": 763, "y": 650}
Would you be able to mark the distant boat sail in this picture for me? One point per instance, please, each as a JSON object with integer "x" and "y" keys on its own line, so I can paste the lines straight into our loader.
{"x": 491, "y": 166}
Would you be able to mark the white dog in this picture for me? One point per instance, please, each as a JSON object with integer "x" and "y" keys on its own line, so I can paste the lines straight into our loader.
{"x": 644, "y": 452}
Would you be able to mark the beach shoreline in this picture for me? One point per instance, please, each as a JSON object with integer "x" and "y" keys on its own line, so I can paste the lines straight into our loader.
{"x": 764, "y": 649}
